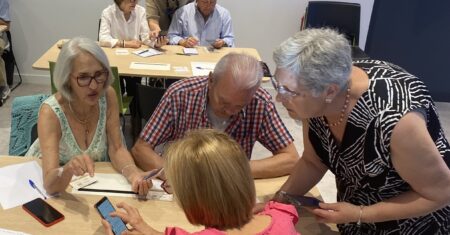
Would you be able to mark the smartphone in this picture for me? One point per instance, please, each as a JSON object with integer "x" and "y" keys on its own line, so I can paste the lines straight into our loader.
{"x": 43, "y": 212}
{"x": 105, "y": 207}
{"x": 298, "y": 200}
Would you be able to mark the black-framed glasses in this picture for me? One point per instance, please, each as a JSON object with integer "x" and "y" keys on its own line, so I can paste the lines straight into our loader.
{"x": 100, "y": 77}
{"x": 281, "y": 89}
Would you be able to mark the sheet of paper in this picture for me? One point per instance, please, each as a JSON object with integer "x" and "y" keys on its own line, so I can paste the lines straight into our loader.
{"x": 190, "y": 51}
{"x": 150, "y": 66}
{"x": 118, "y": 182}
{"x": 14, "y": 187}
{"x": 147, "y": 52}
{"x": 202, "y": 68}
{"x": 122, "y": 51}
{"x": 11, "y": 232}
{"x": 180, "y": 69}
{"x": 82, "y": 181}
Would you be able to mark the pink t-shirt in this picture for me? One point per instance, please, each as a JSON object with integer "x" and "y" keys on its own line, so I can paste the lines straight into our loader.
{"x": 284, "y": 218}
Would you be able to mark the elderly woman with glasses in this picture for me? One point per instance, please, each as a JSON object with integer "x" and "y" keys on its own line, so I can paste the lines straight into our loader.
{"x": 79, "y": 124}
{"x": 211, "y": 179}
{"x": 372, "y": 124}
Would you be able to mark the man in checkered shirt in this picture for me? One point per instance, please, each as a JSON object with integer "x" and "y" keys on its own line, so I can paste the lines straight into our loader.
{"x": 229, "y": 99}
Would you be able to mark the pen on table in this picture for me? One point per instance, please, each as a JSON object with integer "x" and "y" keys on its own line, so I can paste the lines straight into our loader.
{"x": 37, "y": 189}
{"x": 198, "y": 67}
{"x": 153, "y": 173}
{"x": 142, "y": 52}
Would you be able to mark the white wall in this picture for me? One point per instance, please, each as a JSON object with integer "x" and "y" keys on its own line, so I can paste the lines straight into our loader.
{"x": 262, "y": 24}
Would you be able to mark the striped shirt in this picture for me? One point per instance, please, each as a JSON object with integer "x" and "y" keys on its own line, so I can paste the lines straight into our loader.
{"x": 183, "y": 108}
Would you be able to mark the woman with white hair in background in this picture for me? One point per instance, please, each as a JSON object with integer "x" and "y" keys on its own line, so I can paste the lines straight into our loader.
{"x": 79, "y": 124}
{"x": 372, "y": 124}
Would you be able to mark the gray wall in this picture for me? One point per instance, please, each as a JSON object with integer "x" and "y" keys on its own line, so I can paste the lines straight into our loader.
{"x": 38, "y": 24}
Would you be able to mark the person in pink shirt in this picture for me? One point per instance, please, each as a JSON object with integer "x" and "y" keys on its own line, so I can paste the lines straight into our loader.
{"x": 210, "y": 176}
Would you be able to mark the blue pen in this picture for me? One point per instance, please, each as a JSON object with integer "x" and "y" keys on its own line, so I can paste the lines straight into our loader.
{"x": 142, "y": 52}
{"x": 35, "y": 187}
{"x": 153, "y": 173}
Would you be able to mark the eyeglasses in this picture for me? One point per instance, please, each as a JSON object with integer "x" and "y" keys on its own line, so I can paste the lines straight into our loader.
{"x": 100, "y": 77}
{"x": 281, "y": 89}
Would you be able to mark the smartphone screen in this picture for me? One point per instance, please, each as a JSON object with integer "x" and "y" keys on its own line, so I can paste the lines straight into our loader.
{"x": 43, "y": 212}
{"x": 105, "y": 207}
{"x": 298, "y": 200}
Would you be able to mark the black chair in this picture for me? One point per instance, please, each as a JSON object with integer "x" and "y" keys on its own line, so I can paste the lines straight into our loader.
{"x": 342, "y": 16}
{"x": 10, "y": 63}
{"x": 144, "y": 103}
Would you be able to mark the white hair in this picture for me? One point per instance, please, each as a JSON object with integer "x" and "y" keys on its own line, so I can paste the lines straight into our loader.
{"x": 317, "y": 58}
{"x": 246, "y": 70}
{"x": 71, "y": 50}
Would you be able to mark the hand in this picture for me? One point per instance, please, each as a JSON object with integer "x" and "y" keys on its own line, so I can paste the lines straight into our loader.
{"x": 153, "y": 34}
{"x": 81, "y": 164}
{"x": 338, "y": 213}
{"x": 138, "y": 184}
{"x": 219, "y": 43}
{"x": 161, "y": 41}
{"x": 189, "y": 42}
{"x": 131, "y": 216}
{"x": 133, "y": 43}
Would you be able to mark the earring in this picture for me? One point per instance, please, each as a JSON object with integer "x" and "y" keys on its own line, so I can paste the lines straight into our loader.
{"x": 328, "y": 100}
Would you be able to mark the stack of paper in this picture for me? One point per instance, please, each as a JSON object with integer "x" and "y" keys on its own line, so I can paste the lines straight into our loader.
{"x": 190, "y": 51}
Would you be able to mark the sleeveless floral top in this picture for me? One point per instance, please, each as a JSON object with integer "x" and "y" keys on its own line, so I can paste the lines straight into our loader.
{"x": 68, "y": 146}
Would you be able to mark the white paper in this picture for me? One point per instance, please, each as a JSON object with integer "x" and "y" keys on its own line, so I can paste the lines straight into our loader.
{"x": 82, "y": 181}
{"x": 122, "y": 51}
{"x": 150, "y": 66}
{"x": 190, "y": 51}
{"x": 118, "y": 182}
{"x": 11, "y": 232}
{"x": 14, "y": 187}
{"x": 202, "y": 68}
{"x": 147, "y": 52}
{"x": 180, "y": 69}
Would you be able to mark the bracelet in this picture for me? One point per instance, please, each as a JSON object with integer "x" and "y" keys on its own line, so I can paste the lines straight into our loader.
{"x": 126, "y": 166}
{"x": 360, "y": 215}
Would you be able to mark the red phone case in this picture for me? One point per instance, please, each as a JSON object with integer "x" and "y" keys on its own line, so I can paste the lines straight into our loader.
{"x": 42, "y": 222}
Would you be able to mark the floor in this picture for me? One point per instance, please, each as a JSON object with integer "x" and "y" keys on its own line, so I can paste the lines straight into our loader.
{"x": 326, "y": 186}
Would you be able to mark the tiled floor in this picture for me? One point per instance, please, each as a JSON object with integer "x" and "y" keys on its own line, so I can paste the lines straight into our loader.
{"x": 326, "y": 186}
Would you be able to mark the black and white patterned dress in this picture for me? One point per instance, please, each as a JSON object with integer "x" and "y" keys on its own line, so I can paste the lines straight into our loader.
{"x": 362, "y": 163}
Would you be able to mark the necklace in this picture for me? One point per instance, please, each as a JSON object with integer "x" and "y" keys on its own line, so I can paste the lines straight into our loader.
{"x": 84, "y": 122}
{"x": 344, "y": 108}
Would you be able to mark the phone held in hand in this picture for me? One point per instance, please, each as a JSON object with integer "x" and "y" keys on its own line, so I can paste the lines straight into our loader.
{"x": 105, "y": 207}
{"x": 298, "y": 200}
{"x": 43, "y": 212}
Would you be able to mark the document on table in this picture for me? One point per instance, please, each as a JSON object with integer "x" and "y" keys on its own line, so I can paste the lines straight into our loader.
{"x": 122, "y": 51}
{"x": 14, "y": 186}
{"x": 11, "y": 232}
{"x": 117, "y": 185}
{"x": 147, "y": 52}
{"x": 150, "y": 66}
{"x": 202, "y": 68}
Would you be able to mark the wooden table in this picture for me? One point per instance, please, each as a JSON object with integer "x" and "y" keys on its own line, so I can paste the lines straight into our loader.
{"x": 82, "y": 218}
{"x": 169, "y": 56}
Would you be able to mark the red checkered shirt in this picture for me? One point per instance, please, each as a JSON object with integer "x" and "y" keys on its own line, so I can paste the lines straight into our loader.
{"x": 183, "y": 108}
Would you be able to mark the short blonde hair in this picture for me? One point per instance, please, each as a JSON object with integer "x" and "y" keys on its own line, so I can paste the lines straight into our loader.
{"x": 211, "y": 179}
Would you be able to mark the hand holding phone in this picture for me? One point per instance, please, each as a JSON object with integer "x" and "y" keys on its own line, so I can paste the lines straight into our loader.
{"x": 305, "y": 201}
{"x": 43, "y": 212}
{"x": 105, "y": 207}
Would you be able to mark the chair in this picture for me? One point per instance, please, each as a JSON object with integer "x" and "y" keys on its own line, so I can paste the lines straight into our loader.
{"x": 24, "y": 115}
{"x": 124, "y": 102}
{"x": 342, "y": 16}
{"x": 146, "y": 100}
{"x": 10, "y": 63}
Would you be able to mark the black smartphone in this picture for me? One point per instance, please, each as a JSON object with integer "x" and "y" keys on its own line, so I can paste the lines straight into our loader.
{"x": 298, "y": 200}
{"x": 105, "y": 207}
{"x": 43, "y": 212}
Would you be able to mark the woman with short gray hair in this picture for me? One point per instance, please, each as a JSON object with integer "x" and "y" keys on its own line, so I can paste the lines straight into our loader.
{"x": 372, "y": 124}
{"x": 79, "y": 124}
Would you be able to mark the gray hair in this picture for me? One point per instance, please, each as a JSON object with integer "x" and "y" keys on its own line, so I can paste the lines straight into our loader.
{"x": 64, "y": 63}
{"x": 317, "y": 57}
{"x": 246, "y": 70}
